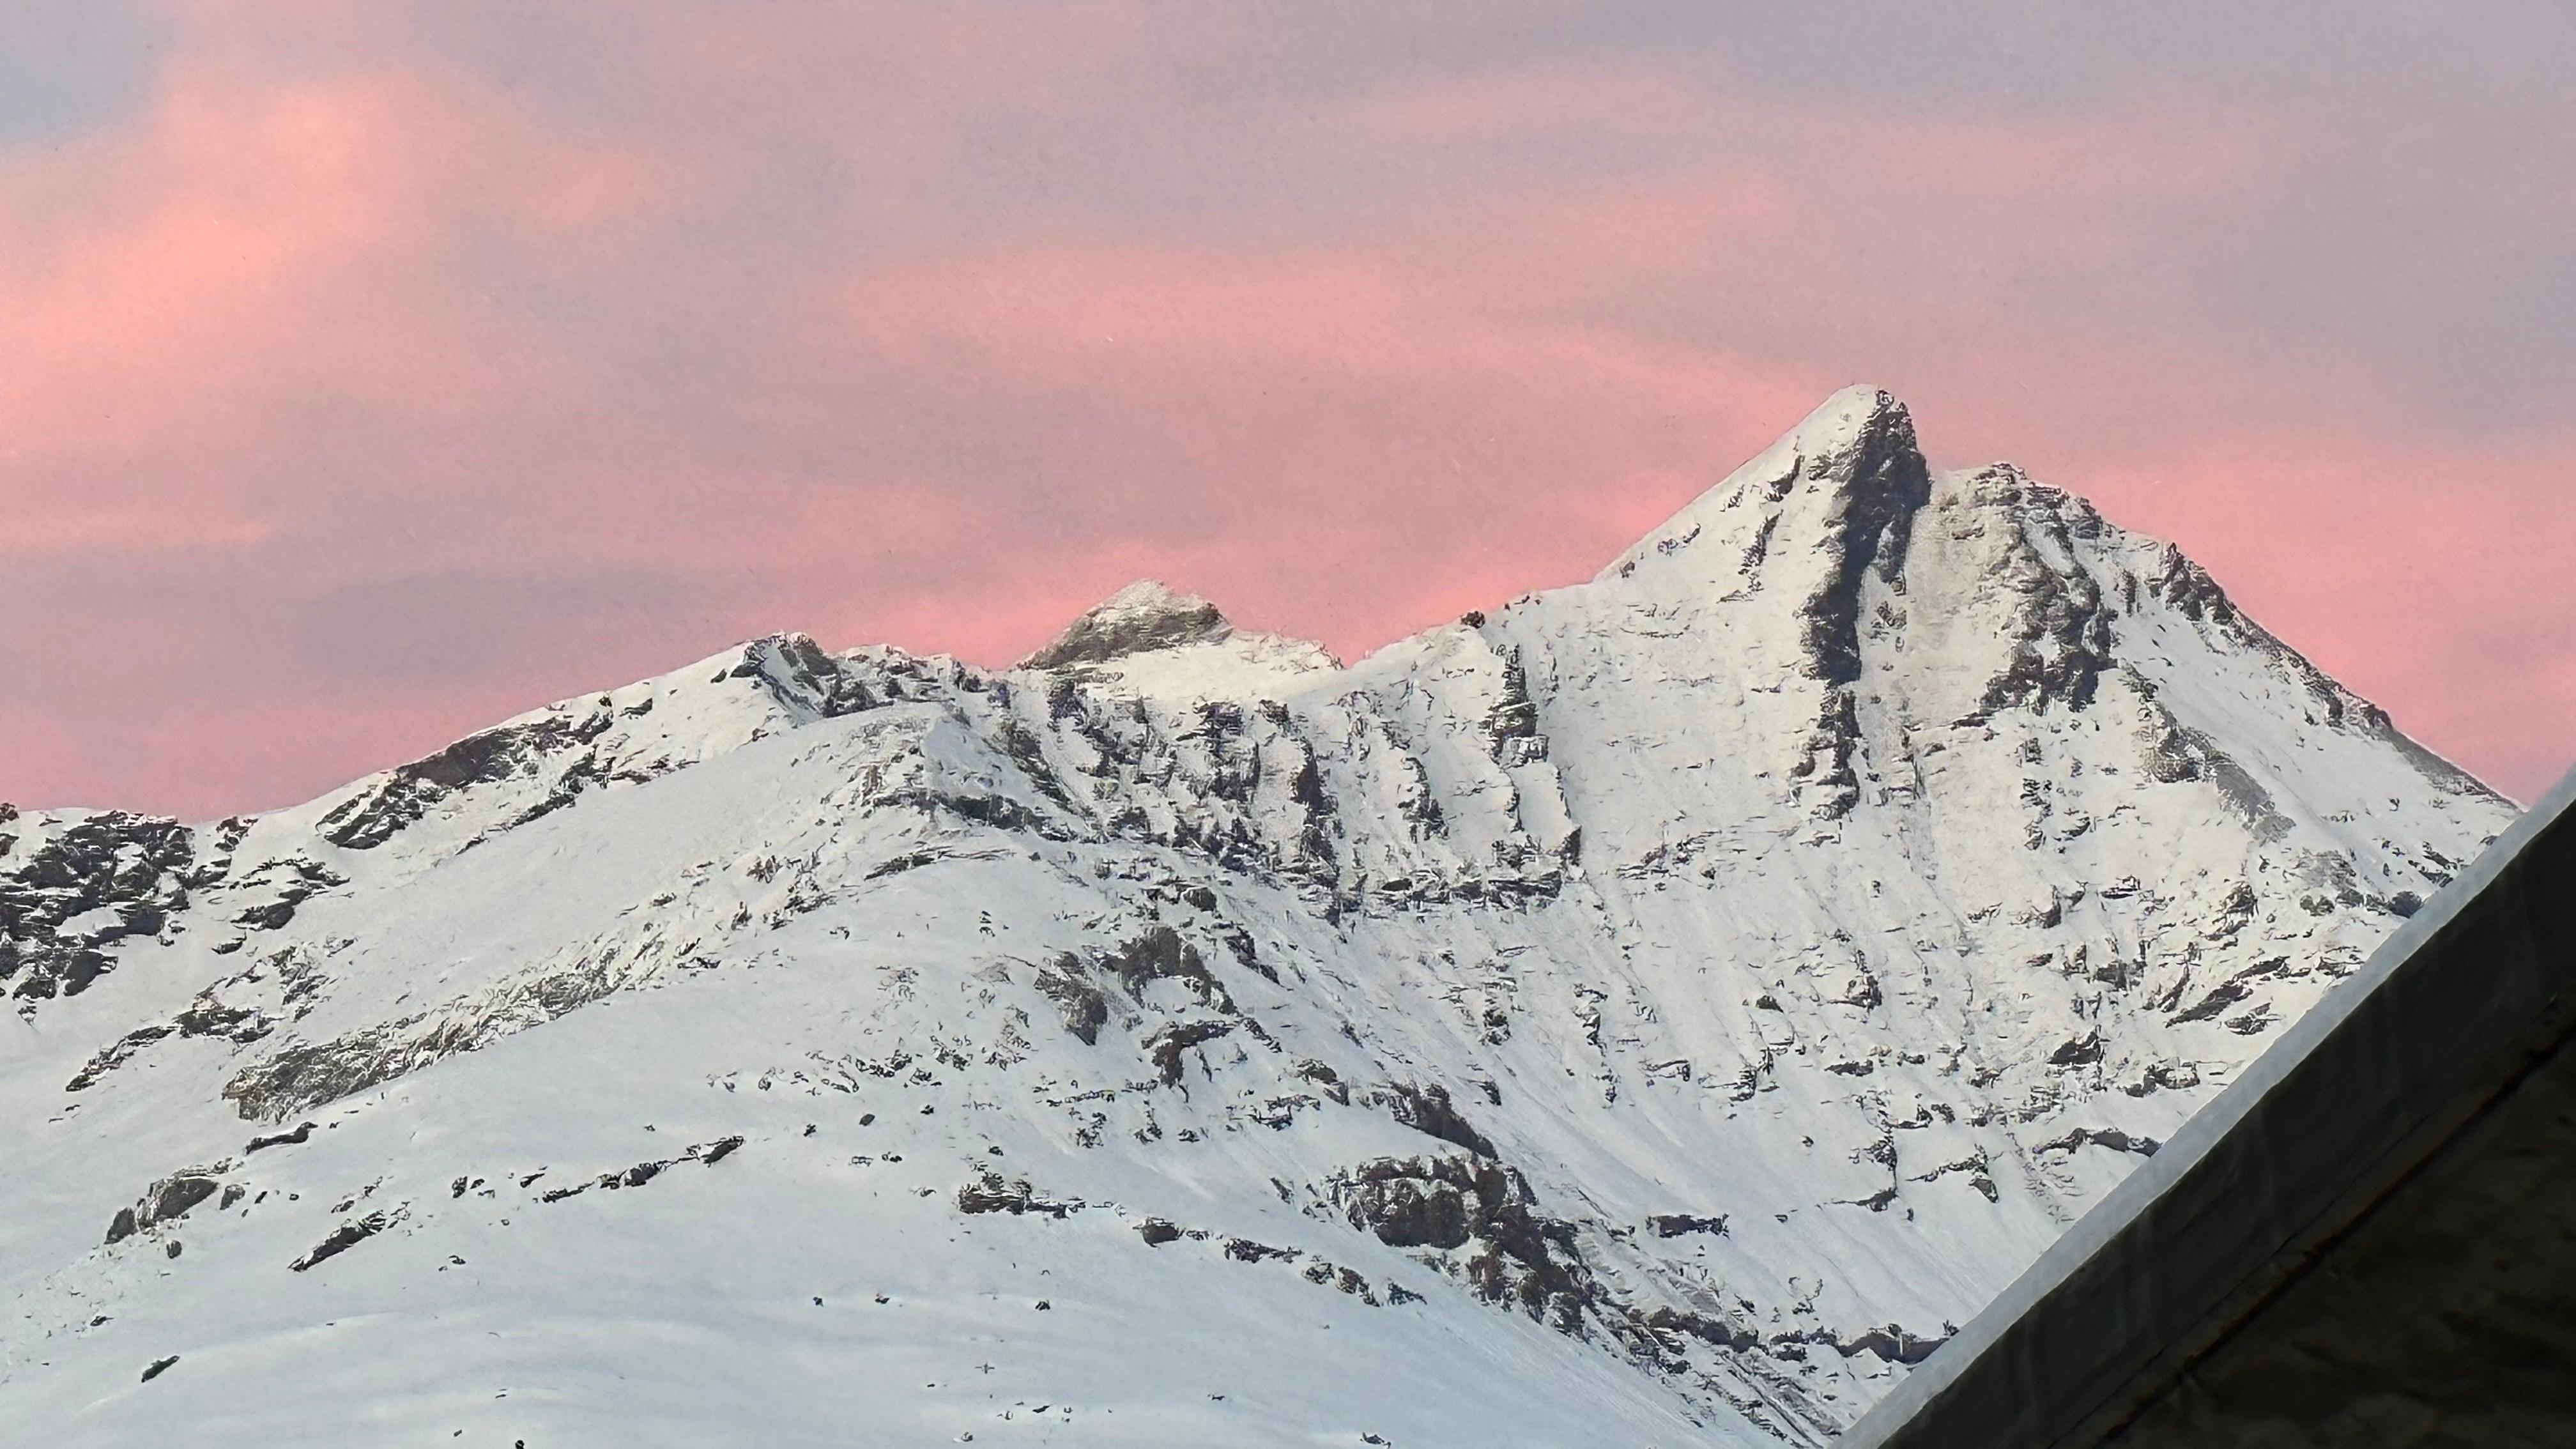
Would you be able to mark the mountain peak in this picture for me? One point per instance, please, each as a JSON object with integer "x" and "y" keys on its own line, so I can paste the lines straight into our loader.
{"x": 1145, "y": 615}
{"x": 1830, "y": 498}
{"x": 1857, "y": 414}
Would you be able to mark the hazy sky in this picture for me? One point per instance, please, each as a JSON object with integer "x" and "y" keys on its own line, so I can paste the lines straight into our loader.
{"x": 371, "y": 371}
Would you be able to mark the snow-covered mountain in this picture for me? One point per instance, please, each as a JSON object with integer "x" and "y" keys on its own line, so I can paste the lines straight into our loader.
{"x": 1650, "y": 1012}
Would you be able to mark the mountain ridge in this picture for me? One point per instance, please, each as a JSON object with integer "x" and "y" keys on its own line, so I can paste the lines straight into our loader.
{"x": 1730, "y": 969}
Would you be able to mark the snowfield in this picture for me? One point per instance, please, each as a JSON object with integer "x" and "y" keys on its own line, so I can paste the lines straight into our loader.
{"x": 1651, "y": 1012}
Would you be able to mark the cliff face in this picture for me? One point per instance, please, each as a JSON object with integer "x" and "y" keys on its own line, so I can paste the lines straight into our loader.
{"x": 1655, "y": 1010}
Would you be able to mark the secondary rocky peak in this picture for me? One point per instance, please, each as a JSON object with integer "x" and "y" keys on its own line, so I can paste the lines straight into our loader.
{"x": 1145, "y": 615}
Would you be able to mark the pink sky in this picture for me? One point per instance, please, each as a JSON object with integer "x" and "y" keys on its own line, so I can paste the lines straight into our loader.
{"x": 375, "y": 371}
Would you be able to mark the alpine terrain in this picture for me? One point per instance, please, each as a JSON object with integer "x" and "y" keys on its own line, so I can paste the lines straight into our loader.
{"x": 1650, "y": 1012}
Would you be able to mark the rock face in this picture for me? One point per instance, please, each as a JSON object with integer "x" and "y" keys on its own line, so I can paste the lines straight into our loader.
{"x": 1140, "y": 618}
{"x": 1696, "y": 990}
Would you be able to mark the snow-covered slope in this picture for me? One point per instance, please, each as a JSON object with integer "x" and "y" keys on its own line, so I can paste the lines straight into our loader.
{"x": 1651, "y": 1012}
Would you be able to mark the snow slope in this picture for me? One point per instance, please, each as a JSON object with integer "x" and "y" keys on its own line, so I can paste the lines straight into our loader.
{"x": 1652, "y": 1012}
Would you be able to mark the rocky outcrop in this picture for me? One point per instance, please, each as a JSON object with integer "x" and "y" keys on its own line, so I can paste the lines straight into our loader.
{"x": 73, "y": 889}
{"x": 348, "y": 1235}
{"x": 1143, "y": 616}
{"x": 991, "y": 1193}
{"x": 1872, "y": 480}
{"x": 165, "y": 1201}
{"x": 1479, "y": 1220}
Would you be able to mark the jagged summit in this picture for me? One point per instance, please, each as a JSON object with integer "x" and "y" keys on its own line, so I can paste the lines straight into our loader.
{"x": 1143, "y": 616}
{"x": 1850, "y": 417}
{"x": 1840, "y": 488}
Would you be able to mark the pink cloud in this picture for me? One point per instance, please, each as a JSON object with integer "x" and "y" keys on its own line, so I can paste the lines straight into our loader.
{"x": 1328, "y": 415}
{"x": 173, "y": 283}
{"x": 2428, "y": 579}
{"x": 366, "y": 387}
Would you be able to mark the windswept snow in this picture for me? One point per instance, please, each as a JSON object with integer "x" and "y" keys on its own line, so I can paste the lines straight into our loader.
{"x": 1654, "y": 1011}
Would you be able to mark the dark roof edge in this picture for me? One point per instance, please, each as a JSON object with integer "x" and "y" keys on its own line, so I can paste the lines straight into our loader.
{"x": 2449, "y": 1011}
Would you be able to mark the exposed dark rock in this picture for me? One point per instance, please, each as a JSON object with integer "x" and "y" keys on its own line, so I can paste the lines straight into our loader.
{"x": 1026, "y": 750}
{"x": 267, "y": 916}
{"x": 2178, "y": 753}
{"x": 636, "y": 1176}
{"x": 1424, "y": 1202}
{"x": 1511, "y": 725}
{"x": 158, "y": 1367}
{"x": 2082, "y": 1051}
{"x": 2111, "y": 1137}
{"x": 1877, "y": 1202}
{"x": 2254, "y": 1022}
{"x": 309, "y": 1074}
{"x": 171, "y": 1197}
{"x": 1827, "y": 771}
{"x": 990, "y": 1193}
{"x": 209, "y": 1017}
{"x": 1161, "y": 955}
{"x": 1083, "y": 1007}
{"x": 2165, "y": 1076}
{"x": 1165, "y": 1046}
{"x": 1143, "y": 616}
{"x": 1879, "y": 484}
{"x": 908, "y": 860}
{"x": 2058, "y": 630}
{"x": 1280, "y": 1113}
{"x": 348, "y": 1235}
{"x": 1892, "y": 1344}
{"x": 115, "y": 1054}
{"x": 1239, "y": 942}
{"x": 1340, "y": 1279}
{"x": 1481, "y": 1214}
{"x": 135, "y": 865}
{"x": 1325, "y": 1078}
{"x": 166, "y": 1200}
{"x": 1714, "y": 1331}
{"x": 1427, "y": 1110}
{"x": 800, "y": 674}
{"x": 999, "y": 811}
{"x": 1674, "y": 1225}
{"x": 2220, "y": 997}
{"x": 302, "y": 1132}
{"x": 406, "y": 793}
{"x": 1157, "y": 1231}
